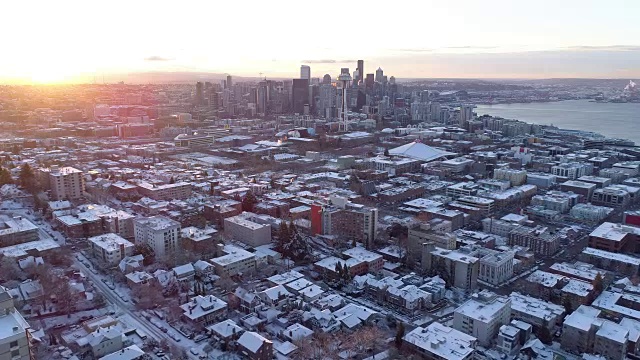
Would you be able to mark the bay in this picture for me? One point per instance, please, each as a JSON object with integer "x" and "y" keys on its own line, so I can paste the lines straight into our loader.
{"x": 613, "y": 120}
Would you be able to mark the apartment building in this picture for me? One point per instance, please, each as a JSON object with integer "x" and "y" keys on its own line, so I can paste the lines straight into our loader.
{"x": 515, "y": 177}
{"x": 110, "y": 248}
{"x": 585, "y": 332}
{"x": 160, "y": 233}
{"x": 482, "y": 316}
{"x": 438, "y": 341}
{"x": 536, "y": 312}
{"x": 457, "y": 268}
{"x": 14, "y": 330}
{"x": 571, "y": 171}
{"x": 540, "y": 239}
{"x": 65, "y": 183}
{"x": 179, "y": 190}
{"x": 234, "y": 261}
{"x": 243, "y": 229}
{"x": 16, "y": 230}
{"x": 349, "y": 220}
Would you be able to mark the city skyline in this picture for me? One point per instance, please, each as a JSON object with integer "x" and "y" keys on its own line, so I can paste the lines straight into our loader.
{"x": 76, "y": 42}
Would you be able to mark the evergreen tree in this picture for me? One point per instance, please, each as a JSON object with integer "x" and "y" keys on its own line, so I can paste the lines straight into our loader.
{"x": 598, "y": 286}
{"x": 172, "y": 180}
{"x": 27, "y": 178}
{"x": 5, "y": 177}
{"x": 386, "y": 152}
{"x": 339, "y": 269}
{"x": 249, "y": 201}
{"x": 399, "y": 334}
{"x": 568, "y": 307}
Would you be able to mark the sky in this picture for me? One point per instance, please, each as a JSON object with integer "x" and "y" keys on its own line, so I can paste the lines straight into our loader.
{"x": 48, "y": 41}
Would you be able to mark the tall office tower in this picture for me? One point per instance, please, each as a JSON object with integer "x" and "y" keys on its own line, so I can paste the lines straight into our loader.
{"x": 327, "y": 101}
{"x": 314, "y": 95}
{"x": 424, "y": 96}
{"x": 305, "y": 72}
{"x": 392, "y": 80}
{"x": 300, "y": 95}
{"x": 229, "y": 82}
{"x": 326, "y": 79}
{"x": 360, "y": 71}
{"x": 369, "y": 81}
{"x": 466, "y": 114}
{"x": 379, "y": 75}
{"x": 199, "y": 100}
{"x": 214, "y": 100}
{"x": 434, "y": 111}
{"x": 344, "y": 80}
{"x": 262, "y": 97}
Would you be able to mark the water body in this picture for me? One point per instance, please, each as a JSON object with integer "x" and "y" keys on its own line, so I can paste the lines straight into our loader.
{"x": 609, "y": 119}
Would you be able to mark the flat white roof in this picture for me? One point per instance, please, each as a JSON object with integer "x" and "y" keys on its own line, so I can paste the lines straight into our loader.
{"x": 614, "y": 232}
{"x": 442, "y": 341}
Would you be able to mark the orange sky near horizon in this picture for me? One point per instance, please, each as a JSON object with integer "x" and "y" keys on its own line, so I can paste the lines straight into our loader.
{"x": 77, "y": 41}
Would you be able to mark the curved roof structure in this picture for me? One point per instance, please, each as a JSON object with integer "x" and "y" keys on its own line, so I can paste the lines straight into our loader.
{"x": 419, "y": 151}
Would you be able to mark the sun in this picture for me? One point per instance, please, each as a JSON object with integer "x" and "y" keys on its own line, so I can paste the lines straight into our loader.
{"x": 51, "y": 74}
{"x": 48, "y": 78}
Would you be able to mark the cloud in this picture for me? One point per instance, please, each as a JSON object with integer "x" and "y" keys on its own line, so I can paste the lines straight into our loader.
{"x": 606, "y": 47}
{"x": 471, "y": 47}
{"x": 327, "y": 61}
{"x": 417, "y": 50}
{"x": 157, "y": 58}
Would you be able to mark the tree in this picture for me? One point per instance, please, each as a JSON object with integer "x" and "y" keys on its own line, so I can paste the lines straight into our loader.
{"x": 598, "y": 286}
{"x": 26, "y": 178}
{"x": 338, "y": 269}
{"x": 568, "y": 306}
{"x": 544, "y": 335}
{"x": 249, "y": 201}
{"x": 172, "y": 180}
{"x": 9, "y": 269}
{"x": 98, "y": 300}
{"x": 146, "y": 251}
{"x": 399, "y": 334}
{"x": 295, "y": 247}
{"x": 5, "y": 177}
{"x": 283, "y": 236}
{"x": 386, "y": 152}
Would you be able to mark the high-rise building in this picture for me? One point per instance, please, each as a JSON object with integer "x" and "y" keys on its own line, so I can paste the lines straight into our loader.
{"x": 160, "y": 233}
{"x": 15, "y": 336}
{"x": 66, "y": 183}
{"x": 369, "y": 81}
{"x": 327, "y": 100}
{"x": 229, "y": 82}
{"x": 199, "y": 99}
{"x": 466, "y": 114}
{"x": 326, "y": 79}
{"x": 300, "y": 95}
{"x": 360, "y": 71}
{"x": 379, "y": 75}
{"x": 305, "y": 72}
